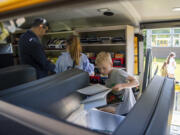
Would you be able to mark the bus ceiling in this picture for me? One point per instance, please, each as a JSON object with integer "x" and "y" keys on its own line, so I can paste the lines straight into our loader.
{"x": 10, "y": 9}
{"x": 143, "y": 14}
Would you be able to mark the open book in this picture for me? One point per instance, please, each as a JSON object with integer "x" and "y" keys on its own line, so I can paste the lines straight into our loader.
{"x": 96, "y": 96}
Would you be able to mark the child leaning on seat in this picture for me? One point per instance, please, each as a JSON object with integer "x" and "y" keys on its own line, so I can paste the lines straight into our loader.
{"x": 120, "y": 82}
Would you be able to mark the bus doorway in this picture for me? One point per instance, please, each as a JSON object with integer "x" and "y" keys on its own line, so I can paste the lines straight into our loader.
{"x": 162, "y": 42}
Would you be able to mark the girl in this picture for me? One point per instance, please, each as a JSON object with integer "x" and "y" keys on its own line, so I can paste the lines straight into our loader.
{"x": 74, "y": 58}
{"x": 168, "y": 68}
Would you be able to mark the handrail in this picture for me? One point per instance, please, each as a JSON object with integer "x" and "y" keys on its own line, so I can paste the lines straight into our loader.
{"x": 138, "y": 119}
{"x": 160, "y": 123}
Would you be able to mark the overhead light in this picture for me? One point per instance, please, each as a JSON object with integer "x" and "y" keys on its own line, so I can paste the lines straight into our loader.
{"x": 108, "y": 13}
{"x": 103, "y": 9}
{"x": 176, "y": 9}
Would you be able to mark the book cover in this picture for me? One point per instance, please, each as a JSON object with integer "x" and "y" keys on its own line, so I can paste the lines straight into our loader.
{"x": 96, "y": 96}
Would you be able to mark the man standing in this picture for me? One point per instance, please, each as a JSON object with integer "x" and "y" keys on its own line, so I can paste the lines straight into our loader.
{"x": 31, "y": 49}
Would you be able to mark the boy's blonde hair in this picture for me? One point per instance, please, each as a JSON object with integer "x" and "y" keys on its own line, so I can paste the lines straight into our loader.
{"x": 103, "y": 57}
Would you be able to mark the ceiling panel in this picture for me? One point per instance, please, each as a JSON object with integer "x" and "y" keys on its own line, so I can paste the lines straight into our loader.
{"x": 131, "y": 12}
{"x": 157, "y": 10}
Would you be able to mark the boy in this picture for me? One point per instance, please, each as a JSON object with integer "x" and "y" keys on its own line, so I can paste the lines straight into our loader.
{"x": 119, "y": 81}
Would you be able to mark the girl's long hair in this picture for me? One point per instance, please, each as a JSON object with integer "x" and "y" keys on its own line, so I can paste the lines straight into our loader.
{"x": 169, "y": 57}
{"x": 74, "y": 48}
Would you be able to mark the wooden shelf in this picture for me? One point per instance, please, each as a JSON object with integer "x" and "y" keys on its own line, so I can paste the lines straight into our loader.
{"x": 114, "y": 67}
{"x": 20, "y": 31}
{"x": 105, "y": 28}
{"x": 55, "y": 49}
{"x": 118, "y": 44}
{"x": 126, "y": 31}
{"x": 61, "y": 32}
{"x": 127, "y": 47}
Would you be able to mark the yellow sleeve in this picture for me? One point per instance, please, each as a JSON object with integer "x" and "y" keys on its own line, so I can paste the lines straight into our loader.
{"x": 4, "y": 33}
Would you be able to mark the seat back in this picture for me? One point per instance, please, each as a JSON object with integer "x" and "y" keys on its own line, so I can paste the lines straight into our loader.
{"x": 142, "y": 118}
{"x": 16, "y": 75}
{"x": 55, "y": 96}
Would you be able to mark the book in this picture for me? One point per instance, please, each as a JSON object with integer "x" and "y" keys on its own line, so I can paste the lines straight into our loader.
{"x": 93, "y": 89}
{"x": 96, "y": 96}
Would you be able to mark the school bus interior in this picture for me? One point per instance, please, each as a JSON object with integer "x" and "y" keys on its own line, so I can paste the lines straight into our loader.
{"x": 30, "y": 106}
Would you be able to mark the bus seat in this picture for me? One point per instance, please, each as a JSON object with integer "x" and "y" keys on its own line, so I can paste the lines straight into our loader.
{"x": 16, "y": 75}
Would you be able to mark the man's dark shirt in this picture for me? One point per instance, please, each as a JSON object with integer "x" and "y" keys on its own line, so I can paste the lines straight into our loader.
{"x": 32, "y": 53}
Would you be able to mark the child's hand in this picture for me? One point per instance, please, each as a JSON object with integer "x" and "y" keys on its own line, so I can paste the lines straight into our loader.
{"x": 109, "y": 109}
{"x": 118, "y": 87}
{"x": 92, "y": 74}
